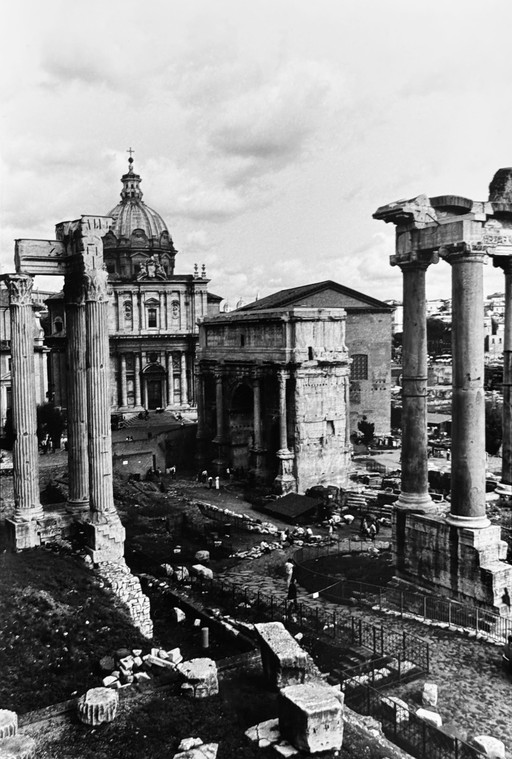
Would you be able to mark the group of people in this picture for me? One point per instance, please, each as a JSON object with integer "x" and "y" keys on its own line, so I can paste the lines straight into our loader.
{"x": 369, "y": 527}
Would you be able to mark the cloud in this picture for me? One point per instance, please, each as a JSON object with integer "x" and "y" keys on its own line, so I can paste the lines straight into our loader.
{"x": 272, "y": 123}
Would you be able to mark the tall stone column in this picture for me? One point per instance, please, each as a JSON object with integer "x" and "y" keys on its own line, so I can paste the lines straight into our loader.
{"x": 504, "y": 489}
{"x": 201, "y": 439}
{"x": 25, "y": 451}
{"x": 220, "y": 462}
{"x": 414, "y": 490}
{"x": 285, "y": 481}
{"x": 184, "y": 387}
{"x": 124, "y": 394}
{"x": 138, "y": 399}
{"x": 100, "y": 439}
{"x": 170, "y": 380}
{"x": 256, "y": 387}
{"x": 468, "y": 399}
{"x": 78, "y": 459}
{"x": 258, "y": 452}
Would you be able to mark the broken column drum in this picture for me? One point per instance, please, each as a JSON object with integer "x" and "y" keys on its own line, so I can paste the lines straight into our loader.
{"x": 25, "y": 449}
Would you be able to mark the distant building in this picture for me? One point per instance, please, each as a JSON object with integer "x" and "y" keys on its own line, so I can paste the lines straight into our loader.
{"x": 274, "y": 387}
{"x": 40, "y": 353}
{"x": 368, "y": 340}
{"x": 153, "y": 312}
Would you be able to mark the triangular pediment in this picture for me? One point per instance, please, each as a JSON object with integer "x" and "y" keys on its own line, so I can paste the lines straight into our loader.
{"x": 327, "y": 294}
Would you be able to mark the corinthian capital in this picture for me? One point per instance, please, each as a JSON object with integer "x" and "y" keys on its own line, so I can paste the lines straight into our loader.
{"x": 96, "y": 285}
{"x": 19, "y": 287}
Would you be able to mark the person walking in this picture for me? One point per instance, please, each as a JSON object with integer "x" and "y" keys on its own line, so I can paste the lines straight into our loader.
{"x": 210, "y": 482}
{"x": 288, "y": 570}
{"x": 217, "y": 483}
{"x": 292, "y": 596}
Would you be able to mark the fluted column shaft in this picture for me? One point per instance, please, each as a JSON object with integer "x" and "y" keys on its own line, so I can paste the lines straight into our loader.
{"x": 124, "y": 394}
{"x": 468, "y": 400}
{"x": 138, "y": 398}
{"x": 100, "y": 438}
{"x": 414, "y": 490}
{"x": 170, "y": 380}
{"x": 78, "y": 460}
{"x": 24, "y": 418}
{"x": 184, "y": 388}
{"x": 283, "y": 435}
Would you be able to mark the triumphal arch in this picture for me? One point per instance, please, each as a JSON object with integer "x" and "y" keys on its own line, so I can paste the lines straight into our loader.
{"x": 76, "y": 254}
{"x": 459, "y": 552}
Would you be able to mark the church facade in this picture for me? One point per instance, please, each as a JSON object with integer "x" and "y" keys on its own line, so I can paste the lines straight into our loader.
{"x": 153, "y": 313}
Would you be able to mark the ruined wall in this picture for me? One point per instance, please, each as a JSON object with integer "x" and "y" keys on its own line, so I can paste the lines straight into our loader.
{"x": 370, "y": 334}
{"x": 458, "y": 563}
{"x": 321, "y": 452}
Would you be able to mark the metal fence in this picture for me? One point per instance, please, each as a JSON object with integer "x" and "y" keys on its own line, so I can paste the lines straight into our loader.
{"x": 405, "y": 729}
{"x": 345, "y": 630}
{"x": 433, "y": 608}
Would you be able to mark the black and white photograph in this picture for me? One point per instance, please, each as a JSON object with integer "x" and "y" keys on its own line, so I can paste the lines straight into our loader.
{"x": 256, "y": 379}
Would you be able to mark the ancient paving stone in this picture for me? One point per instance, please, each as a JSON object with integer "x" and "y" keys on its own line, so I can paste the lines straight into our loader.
{"x": 97, "y": 705}
{"x": 8, "y": 723}
{"x": 311, "y": 717}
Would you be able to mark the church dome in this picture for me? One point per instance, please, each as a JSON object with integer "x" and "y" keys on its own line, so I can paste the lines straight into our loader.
{"x": 138, "y": 235}
{"x": 132, "y": 213}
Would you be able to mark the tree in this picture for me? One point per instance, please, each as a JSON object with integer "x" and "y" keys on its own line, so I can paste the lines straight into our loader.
{"x": 439, "y": 336}
{"x": 367, "y": 430}
{"x": 493, "y": 427}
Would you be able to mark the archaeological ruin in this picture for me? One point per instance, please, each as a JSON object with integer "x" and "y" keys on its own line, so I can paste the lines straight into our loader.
{"x": 457, "y": 553}
{"x": 77, "y": 254}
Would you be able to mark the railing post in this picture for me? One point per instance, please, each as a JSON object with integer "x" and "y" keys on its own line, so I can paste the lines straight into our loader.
{"x": 374, "y": 639}
{"x": 381, "y": 641}
{"x": 380, "y": 599}
{"x": 424, "y": 607}
{"x": 334, "y": 624}
{"x": 477, "y": 620}
{"x": 401, "y": 604}
{"x": 449, "y": 613}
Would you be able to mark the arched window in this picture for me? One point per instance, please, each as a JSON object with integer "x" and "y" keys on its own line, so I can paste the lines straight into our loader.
{"x": 359, "y": 367}
{"x": 58, "y": 325}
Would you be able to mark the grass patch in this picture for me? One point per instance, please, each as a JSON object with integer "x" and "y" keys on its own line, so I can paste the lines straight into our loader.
{"x": 57, "y": 621}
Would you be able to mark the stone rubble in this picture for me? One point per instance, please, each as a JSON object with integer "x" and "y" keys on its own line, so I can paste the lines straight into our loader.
{"x": 127, "y": 588}
{"x": 194, "y": 748}
{"x": 429, "y": 695}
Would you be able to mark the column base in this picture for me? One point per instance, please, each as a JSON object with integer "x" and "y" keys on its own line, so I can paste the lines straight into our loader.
{"x": 285, "y": 481}
{"x": 473, "y": 523}
{"x": 29, "y": 515}
{"x": 468, "y": 564}
{"x": 415, "y": 501}
{"x": 77, "y": 507}
{"x": 105, "y": 536}
{"x": 504, "y": 492}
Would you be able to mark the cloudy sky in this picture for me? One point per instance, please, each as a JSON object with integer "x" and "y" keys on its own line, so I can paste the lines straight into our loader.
{"x": 266, "y": 133}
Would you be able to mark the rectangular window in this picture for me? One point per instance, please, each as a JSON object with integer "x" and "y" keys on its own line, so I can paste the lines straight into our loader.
{"x": 359, "y": 367}
{"x": 152, "y": 317}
